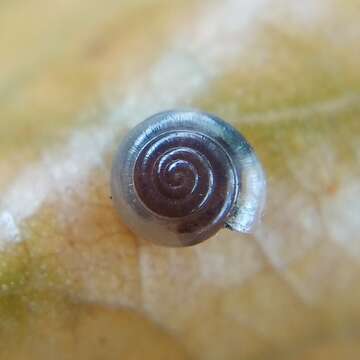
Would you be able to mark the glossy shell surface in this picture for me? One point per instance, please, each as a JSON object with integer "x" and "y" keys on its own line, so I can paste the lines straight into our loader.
{"x": 181, "y": 176}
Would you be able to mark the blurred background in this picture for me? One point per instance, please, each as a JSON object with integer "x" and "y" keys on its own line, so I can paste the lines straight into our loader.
{"x": 75, "y": 76}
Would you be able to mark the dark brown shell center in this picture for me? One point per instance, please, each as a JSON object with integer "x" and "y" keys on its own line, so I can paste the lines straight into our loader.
{"x": 186, "y": 176}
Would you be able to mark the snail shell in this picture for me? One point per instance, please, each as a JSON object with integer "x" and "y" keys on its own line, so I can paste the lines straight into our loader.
{"x": 181, "y": 176}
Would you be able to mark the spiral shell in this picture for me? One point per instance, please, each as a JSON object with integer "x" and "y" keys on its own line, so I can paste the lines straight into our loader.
{"x": 180, "y": 176}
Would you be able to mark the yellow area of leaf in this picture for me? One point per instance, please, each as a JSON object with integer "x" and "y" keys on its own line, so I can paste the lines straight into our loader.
{"x": 56, "y": 67}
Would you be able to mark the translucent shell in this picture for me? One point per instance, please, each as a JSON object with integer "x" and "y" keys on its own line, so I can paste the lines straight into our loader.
{"x": 181, "y": 176}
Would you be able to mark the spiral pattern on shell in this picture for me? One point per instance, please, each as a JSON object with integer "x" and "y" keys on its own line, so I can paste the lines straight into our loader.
{"x": 177, "y": 177}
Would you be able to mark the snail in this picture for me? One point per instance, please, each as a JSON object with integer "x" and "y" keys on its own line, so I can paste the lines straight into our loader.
{"x": 181, "y": 176}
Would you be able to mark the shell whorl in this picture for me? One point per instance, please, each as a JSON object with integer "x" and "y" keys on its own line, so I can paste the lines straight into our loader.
{"x": 177, "y": 177}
